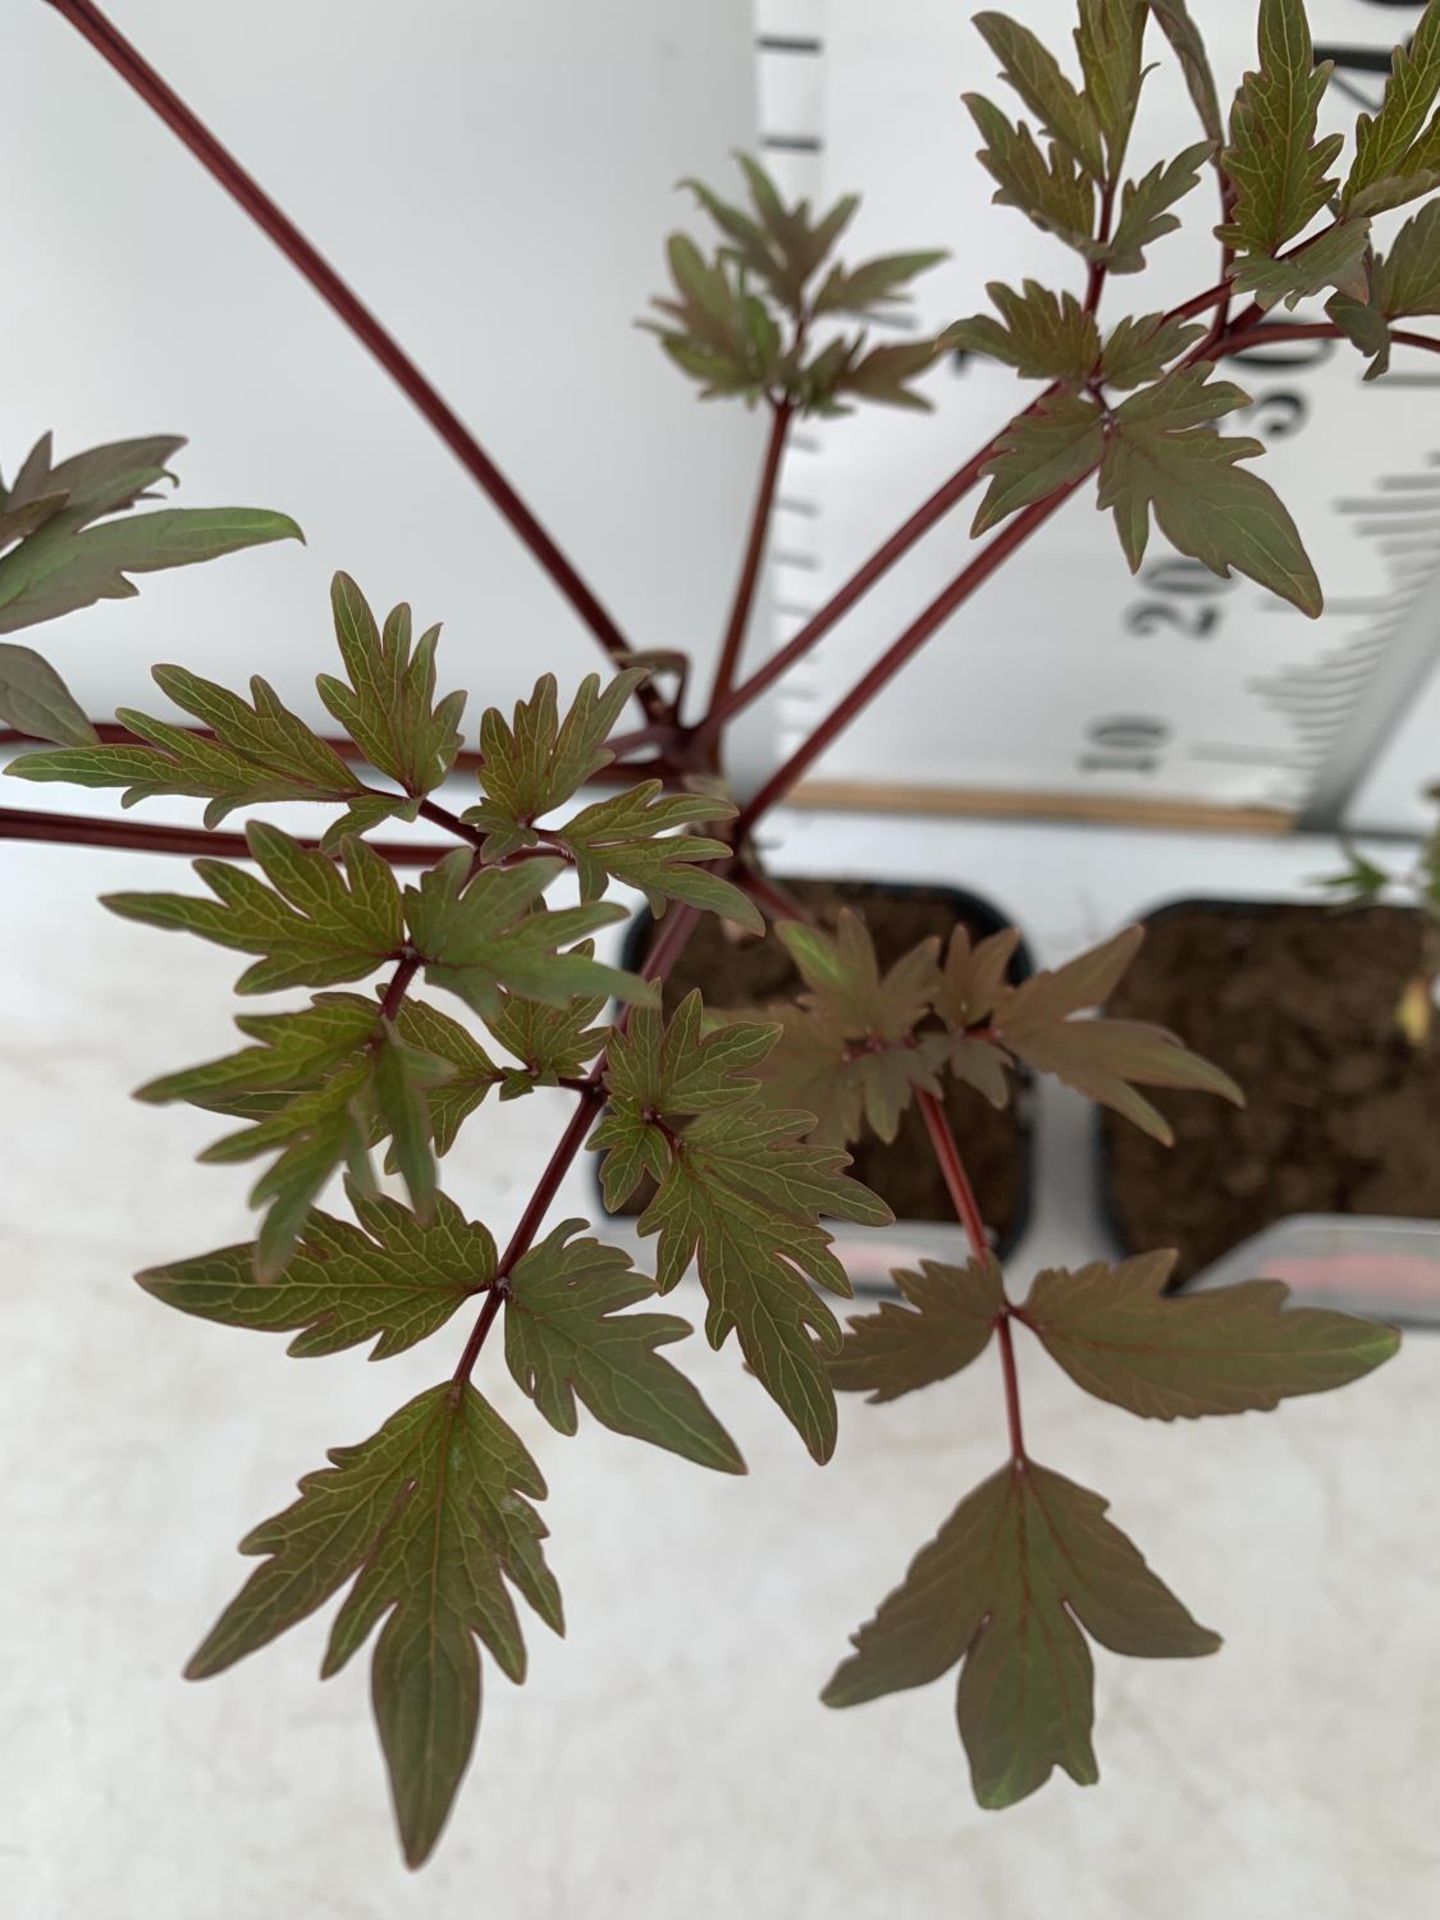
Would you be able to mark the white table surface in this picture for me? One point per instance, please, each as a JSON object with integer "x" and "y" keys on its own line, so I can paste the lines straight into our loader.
{"x": 669, "y": 1757}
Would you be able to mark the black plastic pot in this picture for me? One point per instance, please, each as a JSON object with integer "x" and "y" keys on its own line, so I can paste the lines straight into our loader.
{"x": 1296, "y": 1002}
{"x": 870, "y": 1256}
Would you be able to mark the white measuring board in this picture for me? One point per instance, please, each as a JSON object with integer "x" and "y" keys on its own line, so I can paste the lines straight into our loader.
{"x": 1066, "y": 680}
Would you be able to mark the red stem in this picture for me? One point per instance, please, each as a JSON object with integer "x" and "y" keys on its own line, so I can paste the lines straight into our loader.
{"x": 675, "y": 931}
{"x": 399, "y": 985}
{"x": 763, "y": 891}
{"x": 1005, "y": 1335}
{"x": 897, "y": 655}
{"x": 957, "y": 1180}
{"x": 113, "y": 47}
{"x": 927, "y": 515}
{"x": 781, "y": 411}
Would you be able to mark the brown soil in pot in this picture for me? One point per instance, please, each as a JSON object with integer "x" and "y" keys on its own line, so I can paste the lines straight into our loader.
{"x": 751, "y": 972}
{"x": 1342, "y": 1116}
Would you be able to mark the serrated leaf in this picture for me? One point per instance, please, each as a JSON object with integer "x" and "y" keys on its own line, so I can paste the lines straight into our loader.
{"x": 882, "y": 374}
{"x": 106, "y": 479}
{"x": 293, "y": 1051}
{"x": 403, "y": 1080}
{"x": 1279, "y": 170}
{"x": 1144, "y": 214}
{"x": 948, "y": 1323}
{"x": 472, "y": 1071}
{"x": 261, "y": 752}
{"x": 974, "y": 977}
{"x": 631, "y": 837}
{"x": 1103, "y": 1059}
{"x": 876, "y": 286}
{"x": 392, "y": 1278}
{"x": 35, "y": 700}
{"x": 1390, "y": 145}
{"x": 1364, "y": 324}
{"x": 430, "y": 1517}
{"x": 477, "y": 935}
{"x": 389, "y": 707}
{"x": 1035, "y": 74}
{"x": 1160, "y": 458}
{"x": 1050, "y": 187}
{"x": 1335, "y": 258}
{"x": 849, "y": 1052}
{"x": 551, "y": 1043}
{"x": 1023, "y": 1563}
{"x": 739, "y": 1194}
{"x": 1185, "y": 38}
{"x": 1141, "y": 346}
{"x": 1229, "y": 1350}
{"x": 567, "y": 1336}
{"x": 536, "y": 761}
{"x": 61, "y": 568}
{"x": 1409, "y": 275}
{"x": 313, "y": 925}
{"x": 1043, "y": 335}
{"x": 1109, "y": 40}
{"x": 1060, "y": 439}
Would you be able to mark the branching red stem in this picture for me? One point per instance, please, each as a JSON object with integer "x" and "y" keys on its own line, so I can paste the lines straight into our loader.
{"x": 735, "y": 631}
{"x": 896, "y": 656}
{"x": 113, "y": 47}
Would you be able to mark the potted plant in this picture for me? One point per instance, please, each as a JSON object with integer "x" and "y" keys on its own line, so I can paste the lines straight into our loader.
{"x": 1330, "y": 1020}
{"x": 481, "y": 978}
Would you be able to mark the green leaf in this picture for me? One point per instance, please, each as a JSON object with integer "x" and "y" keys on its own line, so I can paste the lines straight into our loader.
{"x": 551, "y": 1043}
{"x": 403, "y": 1080}
{"x": 739, "y": 1194}
{"x": 392, "y": 1278}
{"x": 1188, "y": 45}
{"x": 798, "y": 246}
{"x": 1144, "y": 215}
{"x": 101, "y": 480}
{"x": 321, "y": 1087}
{"x": 1160, "y": 457}
{"x": 1360, "y": 884}
{"x": 1389, "y": 147}
{"x": 631, "y": 837}
{"x": 882, "y": 374}
{"x": 1103, "y": 1059}
{"x": 430, "y": 1517}
{"x": 1035, "y": 74}
{"x": 294, "y": 1051}
{"x": 566, "y": 1335}
{"x": 61, "y": 568}
{"x": 1335, "y": 258}
{"x": 875, "y": 287}
{"x": 1060, "y": 439}
{"x": 1023, "y": 1563}
{"x": 1231, "y": 1350}
{"x": 477, "y": 935}
{"x": 261, "y": 752}
{"x": 1050, "y": 187}
{"x": 948, "y": 1323}
{"x": 389, "y": 708}
{"x": 312, "y": 925}
{"x": 849, "y": 1052}
{"x": 1279, "y": 170}
{"x": 536, "y": 761}
{"x": 35, "y": 700}
{"x": 1109, "y": 40}
{"x": 1141, "y": 347}
{"x": 472, "y": 1071}
{"x": 1363, "y": 323}
{"x": 1043, "y": 335}
{"x": 1409, "y": 275}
